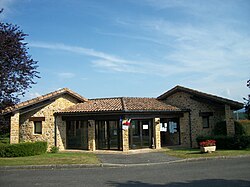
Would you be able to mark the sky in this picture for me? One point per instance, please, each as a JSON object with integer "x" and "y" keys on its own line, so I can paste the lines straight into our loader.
{"x": 136, "y": 48}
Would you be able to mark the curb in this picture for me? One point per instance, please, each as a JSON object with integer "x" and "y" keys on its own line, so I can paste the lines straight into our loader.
{"x": 53, "y": 166}
{"x": 174, "y": 161}
{"x": 110, "y": 165}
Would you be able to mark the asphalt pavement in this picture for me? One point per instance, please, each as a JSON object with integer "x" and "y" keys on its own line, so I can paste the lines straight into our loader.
{"x": 205, "y": 173}
{"x": 138, "y": 158}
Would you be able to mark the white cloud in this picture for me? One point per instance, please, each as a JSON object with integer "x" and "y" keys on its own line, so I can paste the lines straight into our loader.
{"x": 76, "y": 49}
{"x": 5, "y": 4}
{"x": 108, "y": 62}
{"x": 66, "y": 75}
{"x": 213, "y": 48}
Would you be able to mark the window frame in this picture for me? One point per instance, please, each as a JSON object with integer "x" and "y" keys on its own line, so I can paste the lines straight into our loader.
{"x": 35, "y": 127}
{"x": 207, "y": 122}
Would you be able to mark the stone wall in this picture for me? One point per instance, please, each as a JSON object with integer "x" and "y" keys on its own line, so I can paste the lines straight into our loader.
{"x": 157, "y": 133}
{"x": 185, "y": 130}
{"x": 14, "y": 128}
{"x": 229, "y": 120}
{"x": 183, "y": 100}
{"x": 48, "y": 126}
{"x": 60, "y": 133}
{"x": 125, "y": 140}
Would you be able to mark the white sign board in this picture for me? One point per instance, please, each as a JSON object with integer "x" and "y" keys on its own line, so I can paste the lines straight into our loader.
{"x": 172, "y": 127}
{"x": 163, "y": 127}
{"x": 125, "y": 127}
{"x": 145, "y": 127}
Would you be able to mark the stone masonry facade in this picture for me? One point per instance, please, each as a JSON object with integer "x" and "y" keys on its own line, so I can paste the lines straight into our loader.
{"x": 190, "y": 111}
{"x": 184, "y": 100}
{"x": 14, "y": 128}
{"x": 48, "y": 126}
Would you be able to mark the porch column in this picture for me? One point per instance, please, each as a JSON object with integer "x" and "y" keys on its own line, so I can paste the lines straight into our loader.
{"x": 60, "y": 132}
{"x": 157, "y": 133}
{"x": 229, "y": 121}
{"x": 91, "y": 135}
{"x": 125, "y": 140}
{"x": 14, "y": 128}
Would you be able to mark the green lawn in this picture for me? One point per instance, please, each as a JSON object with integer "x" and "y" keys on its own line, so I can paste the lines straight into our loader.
{"x": 48, "y": 158}
{"x": 195, "y": 153}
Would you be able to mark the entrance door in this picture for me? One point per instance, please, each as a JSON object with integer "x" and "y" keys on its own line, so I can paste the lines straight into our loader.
{"x": 76, "y": 135}
{"x": 108, "y": 135}
{"x": 170, "y": 132}
{"x": 140, "y": 134}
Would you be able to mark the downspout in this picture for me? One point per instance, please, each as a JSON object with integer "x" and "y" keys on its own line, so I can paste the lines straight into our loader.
{"x": 190, "y": 129}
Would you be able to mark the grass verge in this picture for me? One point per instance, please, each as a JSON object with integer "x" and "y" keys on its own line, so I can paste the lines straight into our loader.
{"x": 48, "y": 158}
{"x": 195, "y": 153}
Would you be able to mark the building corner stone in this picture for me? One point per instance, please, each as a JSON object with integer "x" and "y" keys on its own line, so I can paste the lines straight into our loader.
{"x": 14, "y": 128}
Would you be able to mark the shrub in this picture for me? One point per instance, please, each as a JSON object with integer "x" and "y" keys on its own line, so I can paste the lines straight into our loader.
{"x": 224, "y": 142}
{"x": 5, "y": 138}
{"x": 227, "y": 142}
{"x": 246, "y": 125}
{"x": 244, "y": 142}
{"x": 54, "y": 149}
{"x": 23, "y": 149}
{"x": 220, "y": 128}
{"x": 239, "y": 129}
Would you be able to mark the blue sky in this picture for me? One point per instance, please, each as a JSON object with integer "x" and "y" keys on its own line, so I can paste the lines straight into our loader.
{"x": 136, "y": 47}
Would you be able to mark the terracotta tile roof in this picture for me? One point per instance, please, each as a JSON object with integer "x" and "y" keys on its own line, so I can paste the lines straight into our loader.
{"x": 123, "y": 104}
{"x": 147, "y": 104}
{"x": 44, "y": 97}
{"x": 233, "y": 104}
{"x": 97, "y": 105}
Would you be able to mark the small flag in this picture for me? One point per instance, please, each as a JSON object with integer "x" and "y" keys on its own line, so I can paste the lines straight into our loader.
{"x": 126, "y": 122}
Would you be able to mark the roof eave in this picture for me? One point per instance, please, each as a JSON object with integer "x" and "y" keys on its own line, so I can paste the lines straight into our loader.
{"x": 234, "y": 104}
{"x": 46, "y": 97}
{"x": 119, "y": 112}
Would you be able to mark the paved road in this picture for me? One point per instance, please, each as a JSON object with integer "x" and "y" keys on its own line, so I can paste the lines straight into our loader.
{"x": 223, "y": 172}
{"x": 139, "y": 158}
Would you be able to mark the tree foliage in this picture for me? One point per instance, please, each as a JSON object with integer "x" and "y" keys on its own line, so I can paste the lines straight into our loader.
{"x": 247, "y": 102}
{"x": 17, "y": 68}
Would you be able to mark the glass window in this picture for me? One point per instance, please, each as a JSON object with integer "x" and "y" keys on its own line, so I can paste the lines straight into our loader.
{"x": 205, "y": 121}
{"x": 37, "y": 127}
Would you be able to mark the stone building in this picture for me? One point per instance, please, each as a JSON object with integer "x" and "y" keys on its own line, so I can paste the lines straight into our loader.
{"x": 69, "y": 121}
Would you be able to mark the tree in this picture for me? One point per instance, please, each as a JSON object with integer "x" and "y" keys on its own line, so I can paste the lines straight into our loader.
{"x": 17, "y": 68}
{"x": 247, "y": 102}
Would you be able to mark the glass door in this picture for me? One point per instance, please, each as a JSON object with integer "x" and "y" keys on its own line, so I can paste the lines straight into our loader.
{"x": 146, "y": 134}
{"x": 114, "y": 135}
{"x": 170, "y": 132}
{"x": 77, "y": 135}
{"x": 140, "y": 134}
{"x": 108, "y": 135}
{"x": 102, "y": 134}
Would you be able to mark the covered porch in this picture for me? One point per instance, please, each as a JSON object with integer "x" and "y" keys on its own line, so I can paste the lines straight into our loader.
{"x": 104, "y": 130}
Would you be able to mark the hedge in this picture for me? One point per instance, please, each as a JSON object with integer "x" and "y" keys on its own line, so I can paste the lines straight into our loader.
{"x": 227, "y": 142}
{"x": 220, "y": 128}
{"x": 5, "y": 138}
{"x": 23, "y": 149}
